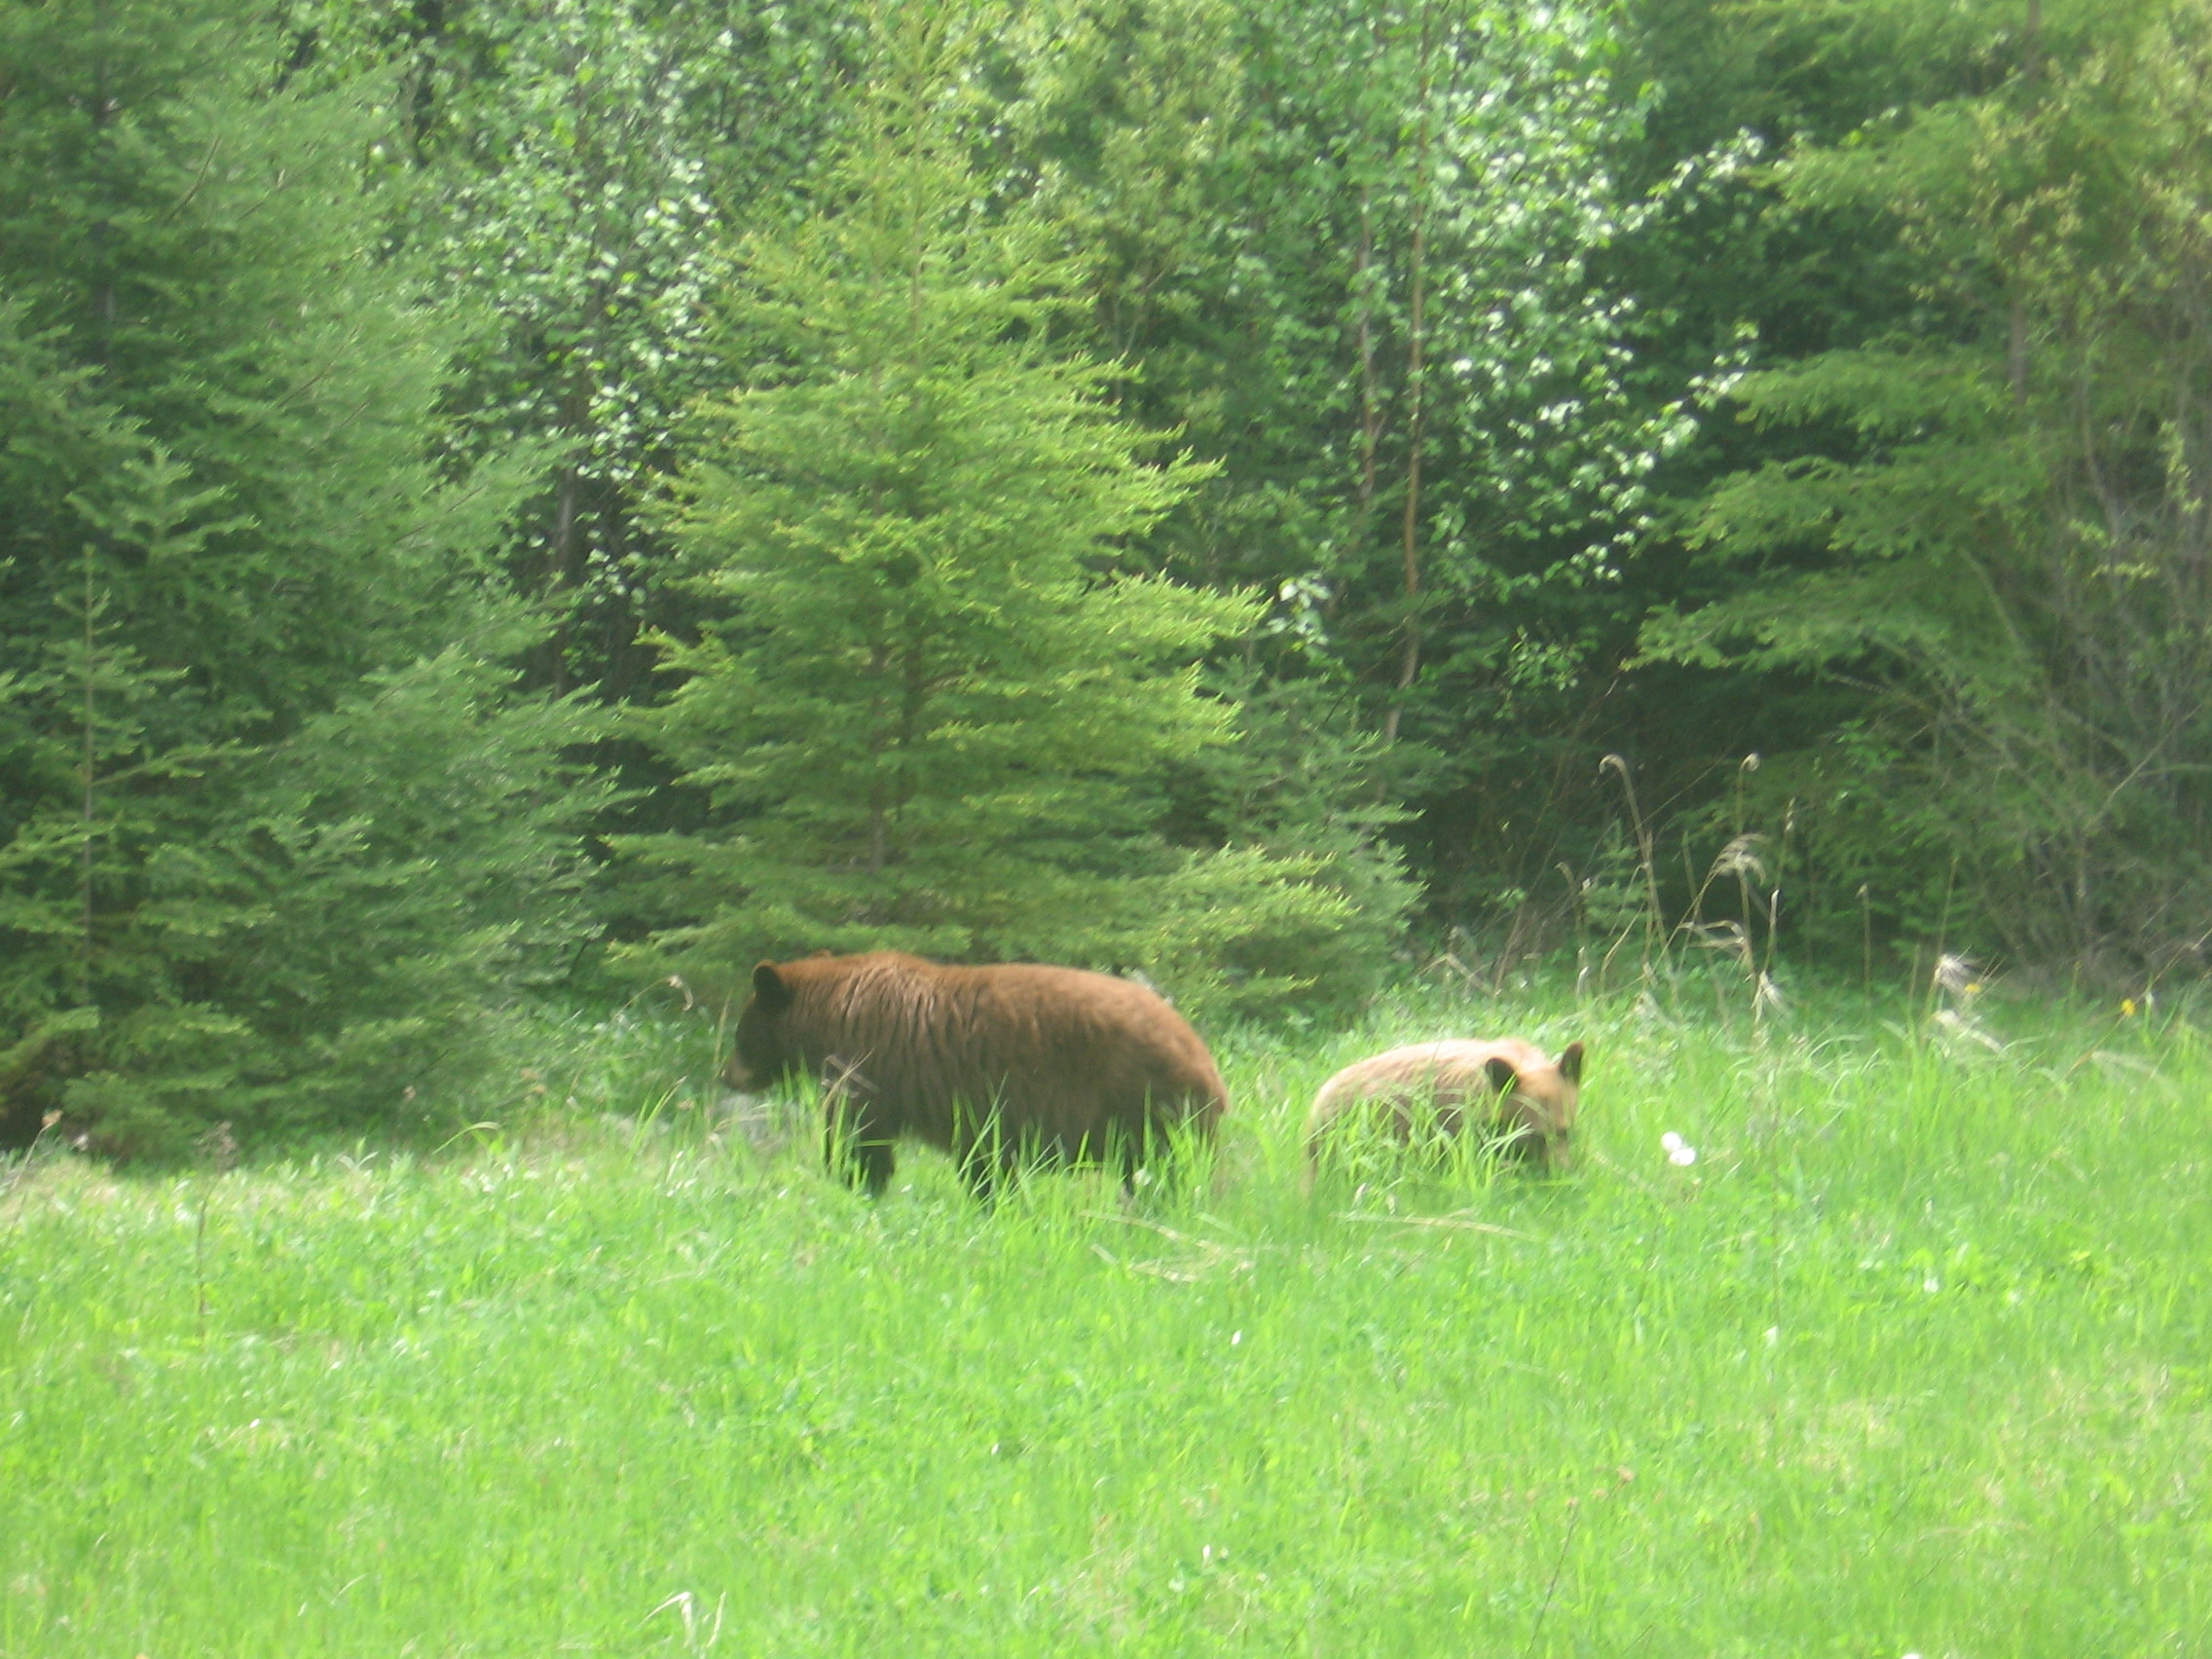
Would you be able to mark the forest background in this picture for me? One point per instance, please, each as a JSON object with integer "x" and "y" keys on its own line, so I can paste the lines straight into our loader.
{"x": 551, "y": 500}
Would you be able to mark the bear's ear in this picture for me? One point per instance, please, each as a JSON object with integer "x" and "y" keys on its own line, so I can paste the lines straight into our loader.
{"x": 1499, "y": 1070}
{"x": 769, "y": 989}
{"x": 1570, "y": 1062}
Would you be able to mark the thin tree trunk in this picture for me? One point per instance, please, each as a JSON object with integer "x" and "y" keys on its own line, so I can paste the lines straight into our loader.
{"x": 560, "y": 568}
{"x": 1409, "y": 659}
{"x": 562, "y": 548}
{"x": 913, "y": 708}
{"x": 91, "y": 780}
{"x": 104, "y": 309}
{"x": 1370, "y": 407}
{"x": 1409, "y": 655}
{"x": 878, "y": 797}
{"x": 2017, "y": 342}
{"x": 561, "y": 543}
{"x": 100, "y": 236}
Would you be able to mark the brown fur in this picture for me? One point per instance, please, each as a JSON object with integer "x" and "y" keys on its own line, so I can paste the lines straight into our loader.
{"x": 996, "y": 1065}
{"x": 1507, "y": 1089}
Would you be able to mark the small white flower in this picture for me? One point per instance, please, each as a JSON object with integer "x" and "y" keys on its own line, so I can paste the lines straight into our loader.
{"x": 1236, "y": 1337}
{"x": 1679, "y": 1152}
{"x": 1931, "y": 1284}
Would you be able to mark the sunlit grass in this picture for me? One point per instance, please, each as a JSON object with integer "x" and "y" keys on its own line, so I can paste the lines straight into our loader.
{"x": 1912, "y": 1357}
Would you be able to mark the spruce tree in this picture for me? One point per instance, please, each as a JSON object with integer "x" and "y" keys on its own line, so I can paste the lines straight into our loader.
{"x": 230, "y": 550}
{"x": 938, "y": 708}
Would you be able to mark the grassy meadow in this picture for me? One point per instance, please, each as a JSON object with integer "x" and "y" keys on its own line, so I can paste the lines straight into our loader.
{"x": 1915, "y": 1358}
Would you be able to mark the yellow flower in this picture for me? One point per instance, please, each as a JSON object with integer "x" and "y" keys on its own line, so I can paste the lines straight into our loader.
{"x": 2127, "y": 1008}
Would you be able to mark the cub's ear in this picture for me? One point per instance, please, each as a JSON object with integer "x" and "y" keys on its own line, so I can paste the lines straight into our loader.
{"x": 769, "y": 989}
{"x": 1570, "y": 1062}
{"x": 1499, "y": 1070}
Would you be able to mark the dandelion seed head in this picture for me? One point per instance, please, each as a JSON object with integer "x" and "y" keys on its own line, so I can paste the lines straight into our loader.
{"x": 1954, "y": 974}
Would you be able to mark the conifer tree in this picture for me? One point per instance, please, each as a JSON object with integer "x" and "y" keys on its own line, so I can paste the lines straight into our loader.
{"x": 1987, "y": 518}
{"x": 230, "y": 553}
{"x": 938, "y": 708}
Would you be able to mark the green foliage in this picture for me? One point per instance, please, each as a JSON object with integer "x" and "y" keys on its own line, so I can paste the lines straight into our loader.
{"x": 417, "y": 872}
{"x": 1993, "y": 522}
{"x": 935, "y": 710}
{"x": 1273, "y": 185}
{"x": 1169, "y": 483}
{"x": 574, "y": 166}
{"x": 1305, "y": 785}
{"x": 1356, "y": 251}
{"x": 226, "y": 530}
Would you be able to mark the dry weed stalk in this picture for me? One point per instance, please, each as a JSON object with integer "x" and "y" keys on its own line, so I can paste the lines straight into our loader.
{"x": 1654, "y": 919}
{"x": 1744, "y": 861}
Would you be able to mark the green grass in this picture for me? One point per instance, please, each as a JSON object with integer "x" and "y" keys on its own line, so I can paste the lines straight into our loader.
{"x": 1914, "y": 1358}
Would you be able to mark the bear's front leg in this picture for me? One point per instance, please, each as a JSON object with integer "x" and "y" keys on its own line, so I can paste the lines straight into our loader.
{"x": 982, "y": 1166}
{"x": 856, "y": 1141}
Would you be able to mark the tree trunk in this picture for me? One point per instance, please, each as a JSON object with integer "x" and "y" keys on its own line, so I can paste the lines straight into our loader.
{"x": 2017, "y": 341}
{"x": 1369, "y": 408}
{"x": 1409, "y": 654}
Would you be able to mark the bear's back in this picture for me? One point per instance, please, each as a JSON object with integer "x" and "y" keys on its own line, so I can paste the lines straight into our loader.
{"x": 1508, "y": 1085}
{"x": 1059, "y": 1051}
{"x": 1452, "y": 1069}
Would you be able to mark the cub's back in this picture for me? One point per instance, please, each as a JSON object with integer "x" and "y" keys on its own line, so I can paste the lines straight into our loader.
{"x": 1450, "y": 1068}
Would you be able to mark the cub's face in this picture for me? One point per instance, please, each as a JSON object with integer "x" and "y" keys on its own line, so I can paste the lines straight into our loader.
{"x": 760, "y": 1057}
{"x": 1541, "y": 1103}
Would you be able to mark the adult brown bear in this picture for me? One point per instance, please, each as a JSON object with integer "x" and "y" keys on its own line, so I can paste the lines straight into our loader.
{"x": 1509, "y": 1090}
{"x": 998, "y": 1066}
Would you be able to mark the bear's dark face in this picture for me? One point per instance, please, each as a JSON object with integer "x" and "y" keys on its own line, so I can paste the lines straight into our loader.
{"x": 761, "y": 1057}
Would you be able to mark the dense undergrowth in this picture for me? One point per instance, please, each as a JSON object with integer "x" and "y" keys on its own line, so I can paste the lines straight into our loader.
{"x": 1911, "y": 1358}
